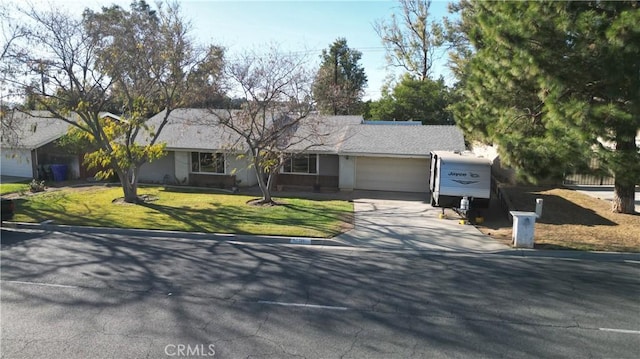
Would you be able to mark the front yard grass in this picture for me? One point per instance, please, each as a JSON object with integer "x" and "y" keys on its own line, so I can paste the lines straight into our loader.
{"x": 183, "y": 210}
{"x": 13, "y": 187}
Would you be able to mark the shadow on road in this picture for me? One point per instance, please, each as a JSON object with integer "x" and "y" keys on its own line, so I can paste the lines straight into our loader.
{"x": 115, "y": 272}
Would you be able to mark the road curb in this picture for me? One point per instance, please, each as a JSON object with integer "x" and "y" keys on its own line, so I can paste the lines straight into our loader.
{"x": 577, "y": 255}
{"x": 327, "y": 242}
{"x": 177, "y": 234}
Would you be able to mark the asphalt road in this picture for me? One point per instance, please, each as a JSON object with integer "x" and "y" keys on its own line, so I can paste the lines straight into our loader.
{"x": 84, "y": 295}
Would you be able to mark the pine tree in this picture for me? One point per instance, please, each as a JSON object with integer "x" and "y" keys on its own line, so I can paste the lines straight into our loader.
{"x": 555, "y": 84}
{"x": 340, "y": 81}
{"x": 414, "y": 100}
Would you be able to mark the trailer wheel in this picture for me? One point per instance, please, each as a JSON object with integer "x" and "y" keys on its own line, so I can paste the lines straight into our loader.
{"x": 471, "y": 215}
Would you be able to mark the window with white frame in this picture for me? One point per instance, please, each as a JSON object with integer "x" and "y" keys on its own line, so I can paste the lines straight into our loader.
{"x": 207, "y": 162}
{"x": 305, "y": 163}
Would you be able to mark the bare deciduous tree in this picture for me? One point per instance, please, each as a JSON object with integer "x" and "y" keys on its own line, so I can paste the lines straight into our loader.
{"x": 275, "y": 121}
{"x": 12, "y": 31}
{"x": 139, "y": 62}
{"x": 412, "y": 38}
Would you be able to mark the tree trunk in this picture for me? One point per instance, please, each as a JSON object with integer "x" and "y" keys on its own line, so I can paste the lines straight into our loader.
{"x": 130, "y": 193}
{"x": 626, "y": 174}
{"x": 129, "y": 182}
{"x": 264, "y": 188}
{"x": 623, "y": 198}
{"x": 270, "y": 180}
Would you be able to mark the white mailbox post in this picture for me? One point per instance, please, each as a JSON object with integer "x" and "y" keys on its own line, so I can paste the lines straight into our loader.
{"x": 523, "y": 228}
{"x": 539, "y": 207}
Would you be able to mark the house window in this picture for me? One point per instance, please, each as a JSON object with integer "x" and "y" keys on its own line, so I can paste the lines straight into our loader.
{"x": 207, "y": 162}
{"x": 307, "y": 163}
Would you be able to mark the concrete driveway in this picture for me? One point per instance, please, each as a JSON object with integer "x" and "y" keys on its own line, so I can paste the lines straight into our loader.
{"x": 398, "y": 221}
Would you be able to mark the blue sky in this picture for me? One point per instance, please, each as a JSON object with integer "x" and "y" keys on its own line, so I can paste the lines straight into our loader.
{"x": 304, "y": 27}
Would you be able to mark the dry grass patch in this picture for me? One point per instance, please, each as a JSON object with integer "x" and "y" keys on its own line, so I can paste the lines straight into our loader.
{"x": 570, "y": 220}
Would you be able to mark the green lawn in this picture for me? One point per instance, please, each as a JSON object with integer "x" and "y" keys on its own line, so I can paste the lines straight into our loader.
{"x": 13, "y": 187}
{"x": 186, "y": 211}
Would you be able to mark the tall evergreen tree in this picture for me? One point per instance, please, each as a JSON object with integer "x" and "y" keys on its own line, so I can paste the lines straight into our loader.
{"x": 555, "y": 84}
{"x": 414, "y": 100}
{"x": 340, "y": 81}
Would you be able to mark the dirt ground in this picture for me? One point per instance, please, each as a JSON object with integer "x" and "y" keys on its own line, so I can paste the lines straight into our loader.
{"x": 570, "y": 220}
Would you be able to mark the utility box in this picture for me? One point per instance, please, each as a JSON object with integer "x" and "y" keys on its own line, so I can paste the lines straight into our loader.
{"x": 523, "y": 229}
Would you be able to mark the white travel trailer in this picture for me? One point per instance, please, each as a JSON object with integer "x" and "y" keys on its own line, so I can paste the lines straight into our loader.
{"x": 459, "y": 180}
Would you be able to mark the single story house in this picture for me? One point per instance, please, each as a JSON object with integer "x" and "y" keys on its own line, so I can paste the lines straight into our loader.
{"x": 353, "y": 154}
{"x": 28, "y": 146}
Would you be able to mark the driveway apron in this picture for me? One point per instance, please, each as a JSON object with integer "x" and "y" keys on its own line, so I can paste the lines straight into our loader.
{"x": 402, "y": 224}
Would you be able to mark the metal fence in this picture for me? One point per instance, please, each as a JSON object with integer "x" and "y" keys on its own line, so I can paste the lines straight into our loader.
{"x": 587, "y": 180}
{"x": 593, "y": 177}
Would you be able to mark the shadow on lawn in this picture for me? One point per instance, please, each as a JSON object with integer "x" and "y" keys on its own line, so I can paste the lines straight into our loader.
{"x": 229, "y": 219}
{"x": 218, "y": 217}
{"x": 193, "y": 218}
{"x": 55, "y": 210}
{"x": 207, "y": 190}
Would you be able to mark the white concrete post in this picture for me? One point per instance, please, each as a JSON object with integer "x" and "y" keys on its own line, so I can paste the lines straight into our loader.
{"x": 538, "y": 207}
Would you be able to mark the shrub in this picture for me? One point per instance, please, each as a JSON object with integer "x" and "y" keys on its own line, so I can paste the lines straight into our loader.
{"x": 36, "y": 186}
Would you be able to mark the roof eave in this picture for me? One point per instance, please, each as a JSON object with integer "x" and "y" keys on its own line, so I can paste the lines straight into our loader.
{"x": 381, "y": 154}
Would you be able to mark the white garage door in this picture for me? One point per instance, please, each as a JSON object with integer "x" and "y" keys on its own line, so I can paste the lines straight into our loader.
{"x": 392, "y": 174}
{"x": 16, "y": 163}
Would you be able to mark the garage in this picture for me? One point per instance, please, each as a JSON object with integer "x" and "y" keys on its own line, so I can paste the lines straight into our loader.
{"x": 392, "y": 174}
{"x": 16, "y": 162}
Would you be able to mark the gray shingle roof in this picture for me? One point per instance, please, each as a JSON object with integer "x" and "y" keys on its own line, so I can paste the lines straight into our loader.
{"x": 323, "y": 134}
{"x": 32, "y": 130}
{"x": 401, "y": 140}
{"x": 195, "y": 129}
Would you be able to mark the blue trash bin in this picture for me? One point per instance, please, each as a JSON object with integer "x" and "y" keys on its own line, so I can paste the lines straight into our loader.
{"x": 59, "y": 172}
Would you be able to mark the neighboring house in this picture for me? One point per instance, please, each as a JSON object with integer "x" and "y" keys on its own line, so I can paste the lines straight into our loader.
{"x": 356, "y": 154}
{"x": 28, "y": 148}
